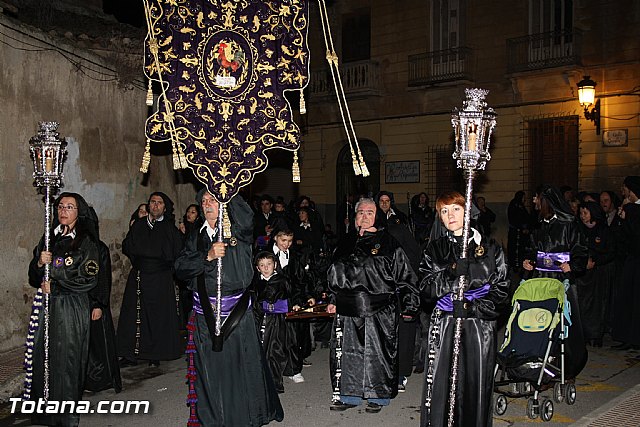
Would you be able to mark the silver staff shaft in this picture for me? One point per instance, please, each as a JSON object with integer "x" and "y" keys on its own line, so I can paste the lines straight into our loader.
{"x": 462, "y": 285}
{"x": 219, "y": 273}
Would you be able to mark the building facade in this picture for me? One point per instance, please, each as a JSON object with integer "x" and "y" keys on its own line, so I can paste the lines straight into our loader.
{"x": 405, "y": 66}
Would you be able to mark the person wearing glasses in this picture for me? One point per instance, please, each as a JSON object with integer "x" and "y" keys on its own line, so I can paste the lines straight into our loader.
{"x": 149, "y": 325}
{"x": 73, "y": 260}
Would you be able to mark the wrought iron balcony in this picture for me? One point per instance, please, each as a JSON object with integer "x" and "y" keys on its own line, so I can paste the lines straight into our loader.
{"x": 359, "y": 79}
{"x": 544, "y": 50}
{"x": 440, "y": 66}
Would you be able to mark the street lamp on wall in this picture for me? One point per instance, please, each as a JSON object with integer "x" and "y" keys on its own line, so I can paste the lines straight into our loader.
{"x": 587, "y": 97}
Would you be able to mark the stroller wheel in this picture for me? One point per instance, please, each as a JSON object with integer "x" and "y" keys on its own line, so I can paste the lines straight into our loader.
{"x": 558, "y": 392}
{"x": 546, "y": 411}
{"x": 500, "y": 405}
{"x": 570, "y": 394}
{"x": 533, "y": 408}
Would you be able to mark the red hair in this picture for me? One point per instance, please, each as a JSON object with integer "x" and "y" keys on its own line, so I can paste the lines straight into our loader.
{"x": 449, "y": 198}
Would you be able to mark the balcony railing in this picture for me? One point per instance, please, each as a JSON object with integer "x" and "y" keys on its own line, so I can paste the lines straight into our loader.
{"x": 359, "y": 79}
{"x": 440, "y": 66}
{"x": 544, "y": 50}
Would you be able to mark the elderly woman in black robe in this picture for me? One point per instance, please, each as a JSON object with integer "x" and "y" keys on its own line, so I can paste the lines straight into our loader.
{"x": 230, "y": 382}
{"x": 486, "y": 270}
{"x": 74, "y": 260}
{"x": 558, "y": 249}
{"x": 371, "y": 284}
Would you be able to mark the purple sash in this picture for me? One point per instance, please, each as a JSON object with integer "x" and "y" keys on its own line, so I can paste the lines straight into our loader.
{"x": 279, "y": 307}
{"x": 550, "y": 261}
{"x": 446, "y": 302}
{"x": 227, "y": 303}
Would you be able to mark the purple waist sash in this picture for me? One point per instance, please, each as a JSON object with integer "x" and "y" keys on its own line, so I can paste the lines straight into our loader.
{"x": 550, "y": 261}
{"x": 279, "y": 307}
{"x": 226, "y": 304}
{"x": 446, "y": 302}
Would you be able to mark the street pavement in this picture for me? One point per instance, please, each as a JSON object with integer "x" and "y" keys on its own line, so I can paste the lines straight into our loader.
{"x": 611, "y": 379}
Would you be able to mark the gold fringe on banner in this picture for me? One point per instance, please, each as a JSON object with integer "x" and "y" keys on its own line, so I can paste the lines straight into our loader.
{"x": 303, "y": 104}
{"x": 226, "y": 223}
{"x": 295, "y": 168}
{"x": 146, "y": 158}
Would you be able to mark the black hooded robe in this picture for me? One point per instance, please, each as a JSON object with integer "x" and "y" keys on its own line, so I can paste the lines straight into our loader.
{"x": 562, "y": 234}
{"x": 233, "y": 386}
{"x": 478, "y": 346}
{"x": 74, "y": 272}
{"x": 152, "y": 252}
{"x": 372, "y": 283}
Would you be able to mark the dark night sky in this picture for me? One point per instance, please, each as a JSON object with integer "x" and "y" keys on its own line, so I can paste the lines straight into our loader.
{"x": 127, "y": 11}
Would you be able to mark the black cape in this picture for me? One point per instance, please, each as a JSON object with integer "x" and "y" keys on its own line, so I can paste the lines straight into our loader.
{"x": 103, "y": 371}
{"x": 372, "y": 283}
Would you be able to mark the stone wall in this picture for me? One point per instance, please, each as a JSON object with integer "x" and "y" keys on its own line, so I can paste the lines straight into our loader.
{"x": 103, "y": 124}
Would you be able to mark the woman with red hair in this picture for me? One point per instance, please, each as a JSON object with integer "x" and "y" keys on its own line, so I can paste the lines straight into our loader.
{"x": 485, "y": 268}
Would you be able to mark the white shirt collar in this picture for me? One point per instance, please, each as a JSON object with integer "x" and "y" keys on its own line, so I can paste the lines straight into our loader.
{"x": 59, "y": 230}
{"x": 550, "y": 219}
{"x": 211, "y": 232}
{"x": 268, "y": 278}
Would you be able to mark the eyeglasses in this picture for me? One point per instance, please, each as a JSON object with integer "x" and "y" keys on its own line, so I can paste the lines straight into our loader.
{"x": 66, "y": 208}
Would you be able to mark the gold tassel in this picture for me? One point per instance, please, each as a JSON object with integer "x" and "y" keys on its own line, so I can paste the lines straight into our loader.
{"x": 182, "y": 157}
{"x": 295, "y": 169}
{"x": 356, "y": 167}
{"x": 363, "y": 167}
{"x": 146, "y": 158}
{"x": 149, "y": 95}
{"x": 226, "y": 223}
{"x": 303, "y": 104}
{"x": 175, "y": 158}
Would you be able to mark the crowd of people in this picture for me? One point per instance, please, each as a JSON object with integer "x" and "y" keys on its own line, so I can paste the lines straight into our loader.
{"x": 384, "y": 284}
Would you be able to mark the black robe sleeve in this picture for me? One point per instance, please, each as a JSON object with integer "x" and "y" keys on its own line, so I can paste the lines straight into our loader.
{"x": 100, "y": 295}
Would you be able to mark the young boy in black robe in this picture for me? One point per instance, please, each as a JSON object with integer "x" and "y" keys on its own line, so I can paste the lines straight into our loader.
{"x": 294, "y": 266}
{"x": 270, "y": 309}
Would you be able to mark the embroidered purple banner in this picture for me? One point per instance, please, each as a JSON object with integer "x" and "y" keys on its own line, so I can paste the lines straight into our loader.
{"x": 446, "y": 302}
{"x": 225, "y": 67}
{"x": 550, "y": 261}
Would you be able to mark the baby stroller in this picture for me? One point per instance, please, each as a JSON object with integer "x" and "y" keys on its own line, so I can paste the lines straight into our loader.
{"x": 532, "y": 357}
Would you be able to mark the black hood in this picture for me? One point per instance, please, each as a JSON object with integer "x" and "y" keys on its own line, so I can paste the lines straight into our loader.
{"x": 168, "y": 205}
{"x": 87, "y": 219}
{"x": 632, "y": 182}
{"x": 556, "y": 200}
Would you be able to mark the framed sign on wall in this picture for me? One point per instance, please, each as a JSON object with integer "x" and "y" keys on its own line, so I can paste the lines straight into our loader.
{"x": 615, "y": 138}
{"x": 399, "y": 172}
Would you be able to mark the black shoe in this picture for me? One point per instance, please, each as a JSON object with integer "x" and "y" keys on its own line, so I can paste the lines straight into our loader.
{"x": 306, "y": 363}
{"x": 324, "y": 344}
{"x": 125, "y": 363}
{"x": 418, "y": 369}
{"x": 280, "y": 389}
{"x": 373, "y": 408}
{"x": 339, "y": 406}
{"x": 597, "y": 342}
{"x": 154, "y": 363}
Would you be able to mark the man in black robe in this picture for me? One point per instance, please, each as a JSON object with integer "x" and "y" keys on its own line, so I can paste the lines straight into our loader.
{"x": 230, "y": 382}
{"x": 149, "y": 325}
{"x": 372, "y": 283}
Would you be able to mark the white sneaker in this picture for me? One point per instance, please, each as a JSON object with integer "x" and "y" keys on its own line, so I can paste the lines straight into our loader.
{"x": 297, "y": 378}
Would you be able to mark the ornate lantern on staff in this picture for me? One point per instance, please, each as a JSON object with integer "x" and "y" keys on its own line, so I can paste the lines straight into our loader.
{"x": 48, "y": 153}
{"x": 472, "y": 126}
